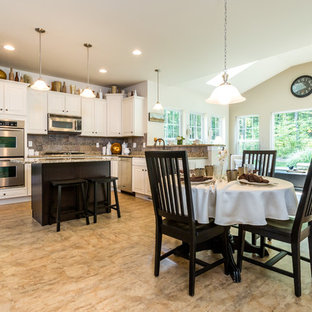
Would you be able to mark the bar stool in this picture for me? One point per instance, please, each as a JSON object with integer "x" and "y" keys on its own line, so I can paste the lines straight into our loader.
{"x": 60, "y": 184}
{"x": 106, "y": 181}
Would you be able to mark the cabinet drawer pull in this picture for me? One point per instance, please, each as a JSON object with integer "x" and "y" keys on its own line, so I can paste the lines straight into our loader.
{"x": 6, "y": 109}
{"x": 1, "y": 109}
{"x": 4, "y": 194}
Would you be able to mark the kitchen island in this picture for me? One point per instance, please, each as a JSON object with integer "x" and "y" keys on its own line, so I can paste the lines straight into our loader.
{"x": 45, "y": 170}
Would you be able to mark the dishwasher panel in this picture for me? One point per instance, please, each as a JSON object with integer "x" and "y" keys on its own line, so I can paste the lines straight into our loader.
{"x": 125, "y": 174}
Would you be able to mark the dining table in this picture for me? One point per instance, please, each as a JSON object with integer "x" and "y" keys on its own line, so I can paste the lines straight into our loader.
{"x": 233, "y": 203}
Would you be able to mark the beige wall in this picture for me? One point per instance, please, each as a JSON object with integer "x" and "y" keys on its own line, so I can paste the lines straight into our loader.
{"x": 271, "y": 96}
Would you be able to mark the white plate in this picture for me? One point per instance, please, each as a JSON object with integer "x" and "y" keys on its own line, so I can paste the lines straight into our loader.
{"x": 243, "y": 181}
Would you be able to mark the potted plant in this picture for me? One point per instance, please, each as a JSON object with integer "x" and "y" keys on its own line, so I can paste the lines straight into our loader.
{"x": 180, "y": 140}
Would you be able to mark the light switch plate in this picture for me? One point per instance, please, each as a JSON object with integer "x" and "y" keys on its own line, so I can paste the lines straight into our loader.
{"x": 134, "y": 145}
{"x": 144, "y": 145}
{"x": 29, "y": 143}
{"x": 97, "y": 144}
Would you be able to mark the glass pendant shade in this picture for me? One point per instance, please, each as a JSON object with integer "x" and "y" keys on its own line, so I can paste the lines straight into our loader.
{"x": 225, "y": 94}
{"x": 158, "y": 107}
{"x": 87, "y": 93}
{"x": 40, "y": 85}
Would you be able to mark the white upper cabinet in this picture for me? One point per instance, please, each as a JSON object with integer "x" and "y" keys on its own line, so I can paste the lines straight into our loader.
{"x": 114, "y": 108}
{"x": 93, "y": 117}
{"x": 64, "y": 104}
{"x": 73, "y": 104}
{"x": 13, "y": 98}
{"x": 56, "y": 103}
{"x": 100, "y": 117}
{"x": 37, "y": 110}
{"x": 133, "y": 116}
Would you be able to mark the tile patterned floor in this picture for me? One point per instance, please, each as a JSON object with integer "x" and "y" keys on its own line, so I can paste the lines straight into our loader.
{"x": 108, "y": 266}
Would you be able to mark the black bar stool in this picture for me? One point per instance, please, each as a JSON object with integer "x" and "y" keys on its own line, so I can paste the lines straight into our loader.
{"x": 107, "y": 183}
{"x": 60, "y": 184}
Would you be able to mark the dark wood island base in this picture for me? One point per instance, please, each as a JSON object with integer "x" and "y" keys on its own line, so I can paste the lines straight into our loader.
{"x": 42, "y": 191}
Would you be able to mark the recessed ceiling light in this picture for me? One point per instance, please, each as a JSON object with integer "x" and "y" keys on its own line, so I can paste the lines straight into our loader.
{"x": 103, "y": 70}
{"x": 9, "y": 47}
{"x": 136, "y": 52}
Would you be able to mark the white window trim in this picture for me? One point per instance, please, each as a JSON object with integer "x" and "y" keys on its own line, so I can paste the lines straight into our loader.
{"x": 180, "y": 111}
{"x": 202, "y": 125}
{"x": 237, "y": 130}
{"x": 222, "y": 128}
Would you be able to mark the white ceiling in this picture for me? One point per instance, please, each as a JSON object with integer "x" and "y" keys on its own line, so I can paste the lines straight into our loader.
{"x": 184, "y": 38}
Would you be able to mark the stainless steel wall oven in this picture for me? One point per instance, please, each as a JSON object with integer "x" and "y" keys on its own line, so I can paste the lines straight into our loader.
{"x": 11, "y": 147}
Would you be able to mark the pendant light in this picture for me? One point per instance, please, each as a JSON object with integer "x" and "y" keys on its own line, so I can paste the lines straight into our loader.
{"x": 87, "y": 92}
{"x": 225, "y": 93}
{"x": 158, "y": 107}
{"x": 40, "y": 84}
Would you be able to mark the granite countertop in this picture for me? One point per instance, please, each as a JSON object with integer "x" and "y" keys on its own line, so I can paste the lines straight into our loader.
{"x": 77, "y": 158}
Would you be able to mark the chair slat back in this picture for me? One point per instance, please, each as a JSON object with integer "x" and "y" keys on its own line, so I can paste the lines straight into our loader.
{"x": 166, "y": 170}
{"x": 304, "y": 211}
{"x": 263, "y": 160}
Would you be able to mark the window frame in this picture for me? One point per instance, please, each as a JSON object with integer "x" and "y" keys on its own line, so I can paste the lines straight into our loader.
{"x": 167, "y": 140}
{"x": 221, "y": 127}
{"x": 201, "y": 125}
{"x": 272, "y": 130}
{"x": 237, "y": 130}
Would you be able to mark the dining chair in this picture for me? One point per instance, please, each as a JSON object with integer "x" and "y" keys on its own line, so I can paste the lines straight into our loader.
{"x": 174, "y": 212}
{"x": 291, "y": 231}
{"x": 264, "y": 162}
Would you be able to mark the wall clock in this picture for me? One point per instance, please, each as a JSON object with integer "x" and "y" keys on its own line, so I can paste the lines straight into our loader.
{"x": 302, "y": 86}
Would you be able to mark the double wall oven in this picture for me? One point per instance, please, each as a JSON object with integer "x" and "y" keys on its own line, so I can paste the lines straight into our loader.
{"x": 11, "y": 148}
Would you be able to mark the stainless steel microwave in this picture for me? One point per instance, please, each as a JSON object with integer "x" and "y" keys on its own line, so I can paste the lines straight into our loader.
{"x": 60, "y": 123}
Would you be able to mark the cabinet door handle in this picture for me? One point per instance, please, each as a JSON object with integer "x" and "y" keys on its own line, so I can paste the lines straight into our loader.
{"x": 4, "y": 194}
{"x": 63, "y": 110}
{"x": 67, "y": 111}
{"x": 1, "y": 109}
{"x": 6, "y": 109}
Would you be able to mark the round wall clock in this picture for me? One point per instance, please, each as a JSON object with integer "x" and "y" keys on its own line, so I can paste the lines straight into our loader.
{"x": 302, "y": 86}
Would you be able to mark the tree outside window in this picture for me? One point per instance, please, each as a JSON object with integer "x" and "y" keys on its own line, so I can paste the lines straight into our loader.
{"x": 292, "y": 137}
{"x": 172, "y": 124}
{"x": 216, "y": 127}
{"x": 247, "y": 133}
{"x": 196, "y": 126}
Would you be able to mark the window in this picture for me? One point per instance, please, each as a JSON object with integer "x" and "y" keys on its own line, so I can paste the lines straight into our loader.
{"x": 292, "y": 138}
{"x": 195, "y": 126}
{"x": 172, "y": 124}
{"x": 216, "y": 128}
{"x": 247, "y": 133}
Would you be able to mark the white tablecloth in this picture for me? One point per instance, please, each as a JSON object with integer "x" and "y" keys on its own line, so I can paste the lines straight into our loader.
{"x": 236, "y": 203}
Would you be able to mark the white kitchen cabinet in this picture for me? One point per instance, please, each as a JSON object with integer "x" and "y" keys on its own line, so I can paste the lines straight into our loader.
{"x": 93, "y": 117}
{"x": 73, "y": 105}
{"x": 56, "y": 103}
{"x": 140, "y": 180}
{"x": 114, "y": 169}
{"x": 13, "y": 192}
{"x": 100, "y": 117}
{"x": 114, "y": 109}
{"x": 13, "y": 98}
{"x": 37, "y": 110}
{"x": 133, "y": 116}
{"x": 64, "y": 104}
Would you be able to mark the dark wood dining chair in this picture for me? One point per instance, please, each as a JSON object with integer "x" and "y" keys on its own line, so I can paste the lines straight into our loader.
{"x": 264, "y": 162}
{"x": 290, "y": 231}
{"x": 174, "y": 213}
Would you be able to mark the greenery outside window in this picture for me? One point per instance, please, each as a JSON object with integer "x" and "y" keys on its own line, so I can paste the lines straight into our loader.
{"x": 247, "y": 133}
{"x": 292, "y": 138}
{"x": 196, "y": 121}
{"x": 172, "y": 124}
{"x": 216, "y": 126}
